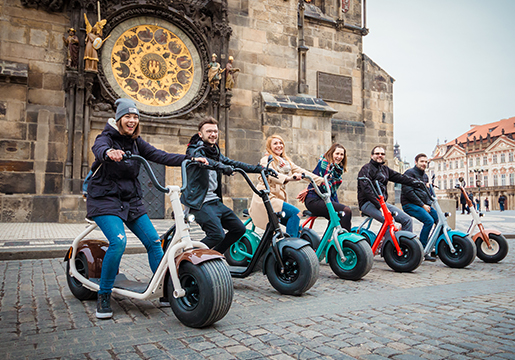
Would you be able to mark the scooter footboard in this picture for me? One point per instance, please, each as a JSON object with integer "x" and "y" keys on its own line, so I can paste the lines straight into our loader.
{"x": 294, "y": 243}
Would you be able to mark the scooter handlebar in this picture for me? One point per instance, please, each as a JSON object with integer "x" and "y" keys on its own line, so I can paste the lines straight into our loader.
{"x": 317, "y": 190}
{"x": 129, "y": 156}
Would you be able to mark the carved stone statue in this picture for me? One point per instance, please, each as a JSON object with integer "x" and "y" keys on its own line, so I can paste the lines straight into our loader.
{"x": 93, "y": 43}
{"x": 72, "y": 44}
{"x": 214, "y": 73}
{"x": 230, "y": 74}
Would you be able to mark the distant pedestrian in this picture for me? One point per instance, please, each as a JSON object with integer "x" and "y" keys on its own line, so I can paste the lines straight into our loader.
{"x": 487, "y": 205}
{"x": 478, "y": 204}
{"x": 502, "y": 200}
{"x": 463, "y": 202}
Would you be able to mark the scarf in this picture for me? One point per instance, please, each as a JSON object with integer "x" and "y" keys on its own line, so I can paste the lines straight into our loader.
{"x": 211, "y": 152}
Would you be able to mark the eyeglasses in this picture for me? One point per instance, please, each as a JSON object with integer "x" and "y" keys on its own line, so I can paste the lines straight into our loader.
{"x": 382, "y": 154}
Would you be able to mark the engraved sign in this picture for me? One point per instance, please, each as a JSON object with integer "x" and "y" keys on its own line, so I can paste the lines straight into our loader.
{"x": 337, "y": 88}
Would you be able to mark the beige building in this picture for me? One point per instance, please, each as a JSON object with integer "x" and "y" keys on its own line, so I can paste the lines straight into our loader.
{"x": 302, "y": 74}
{"x": 484, "y": 158}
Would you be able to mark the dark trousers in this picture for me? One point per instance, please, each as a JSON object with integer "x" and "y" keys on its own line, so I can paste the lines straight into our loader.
{"x": 213, "y": 218}
{"x": 318, "y": 208}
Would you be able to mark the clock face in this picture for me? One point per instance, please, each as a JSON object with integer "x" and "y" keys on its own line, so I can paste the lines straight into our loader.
{"x": 152, "y": 62}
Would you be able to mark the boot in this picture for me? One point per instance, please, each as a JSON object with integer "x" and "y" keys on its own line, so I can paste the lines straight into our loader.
{"x": 104, "y": 310}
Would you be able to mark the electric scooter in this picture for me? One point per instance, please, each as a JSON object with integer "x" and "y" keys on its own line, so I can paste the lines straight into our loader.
{"x": 491, "y": 244}
{"x": 290, "y": 264}
{"x": 401, "y": 249}
{"x": 348, "y": 254}
{"x": 455, "y": 248}
{"x": 194, "y": 278}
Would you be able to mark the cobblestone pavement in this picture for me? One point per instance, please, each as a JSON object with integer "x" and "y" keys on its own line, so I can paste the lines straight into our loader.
{"x": 434, "y": 313}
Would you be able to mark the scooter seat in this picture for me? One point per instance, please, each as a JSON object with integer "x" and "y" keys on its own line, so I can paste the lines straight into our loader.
{"x": 307, "y": 213}
{"x": 121, "y": 282}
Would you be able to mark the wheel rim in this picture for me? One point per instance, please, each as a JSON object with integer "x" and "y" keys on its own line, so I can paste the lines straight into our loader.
{"x": 406, "y": 253}
{"x": 238, "y": 250}
{"x": 81, "y": 269}
{"x": 494, "y": 250}
{"x": 191, "y": 299}
{"x": 291, "y": 270}
{"x": 459, "y": 250}
{"x": 351, "y": 259}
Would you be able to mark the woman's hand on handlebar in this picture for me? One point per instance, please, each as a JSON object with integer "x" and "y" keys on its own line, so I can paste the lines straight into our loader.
{"x": 200, "y": 160}
{"x": 115, "y": 155}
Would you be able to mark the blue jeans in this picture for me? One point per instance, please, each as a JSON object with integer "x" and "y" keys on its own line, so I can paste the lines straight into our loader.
{"x": 428, "y": 219}
{"x": 112, "y": 227}
{"x": 291, "y": 220}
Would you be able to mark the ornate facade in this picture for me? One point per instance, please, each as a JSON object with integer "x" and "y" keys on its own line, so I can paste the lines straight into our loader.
{"x": 484, "y": 158}
{"x": 302, "y": 74}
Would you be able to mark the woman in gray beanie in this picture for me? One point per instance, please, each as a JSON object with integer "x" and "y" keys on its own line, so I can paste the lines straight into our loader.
{"x": 114, "y": 195}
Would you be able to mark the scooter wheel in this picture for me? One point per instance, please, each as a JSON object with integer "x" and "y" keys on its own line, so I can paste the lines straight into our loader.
{"x": 76, "y": 287}
{"x": 497, "y": 253}
{"x": 209, "y": 292}
{"x": 464, "y": 255}
{"x": 234, "y": 255}
{"x": 300, "y": 273}
{"x": 411, "y": 258}
{"x": 359, "y": 260}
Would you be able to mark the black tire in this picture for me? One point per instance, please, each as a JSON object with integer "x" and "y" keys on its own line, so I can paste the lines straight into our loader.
{"x": 236, "y": 259}
{"x": 359, "y": 260}
{"x": 412, "y": 254}
{"x": 209, "y": 292}
{"x": 301, "y": 271}
{"x": 497, "y": 253}
{"x": 76, "y": 287}
{"x": 464, "y": 255}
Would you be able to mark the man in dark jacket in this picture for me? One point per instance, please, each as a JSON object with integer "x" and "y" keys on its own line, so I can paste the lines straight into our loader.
{"x": 368, "y": 202}
{"x": 203, "y": 194}
{"x": 416, "y": 201}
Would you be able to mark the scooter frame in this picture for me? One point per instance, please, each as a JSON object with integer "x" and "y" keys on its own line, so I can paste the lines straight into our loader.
{"x": 181, "y": 248}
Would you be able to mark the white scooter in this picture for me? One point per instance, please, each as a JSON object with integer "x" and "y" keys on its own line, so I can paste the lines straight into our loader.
{"x": 195, "y": 279}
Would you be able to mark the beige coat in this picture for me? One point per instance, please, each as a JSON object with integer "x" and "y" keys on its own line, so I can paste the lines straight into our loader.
{"x": 278, "y": 194}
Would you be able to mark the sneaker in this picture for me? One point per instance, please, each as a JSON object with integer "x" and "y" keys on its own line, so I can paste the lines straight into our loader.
{"x": 104, "y": 310}
{"x": 429, "y": 258}
{"x": 163, "y": 301}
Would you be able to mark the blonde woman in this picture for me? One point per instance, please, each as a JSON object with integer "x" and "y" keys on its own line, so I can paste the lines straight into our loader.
{"x": 288, "y": 172}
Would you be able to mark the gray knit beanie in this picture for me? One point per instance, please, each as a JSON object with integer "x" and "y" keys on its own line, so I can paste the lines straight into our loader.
{"x": 125, "y": 106}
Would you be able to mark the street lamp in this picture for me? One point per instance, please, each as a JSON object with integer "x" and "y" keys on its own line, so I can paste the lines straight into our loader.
{"x": 479, "y": 173}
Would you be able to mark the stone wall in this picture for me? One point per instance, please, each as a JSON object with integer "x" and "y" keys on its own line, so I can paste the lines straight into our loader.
{"x": 32, "y": 146}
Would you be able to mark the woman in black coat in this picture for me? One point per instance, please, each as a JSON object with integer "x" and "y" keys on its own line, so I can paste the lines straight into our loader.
{"x": 115, "y": 197}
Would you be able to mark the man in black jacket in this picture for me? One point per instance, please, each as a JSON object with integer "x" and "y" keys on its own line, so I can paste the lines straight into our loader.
{"x": 203, "y": 193}
{"x": 416, "y": 201}
{"x": 368, "y": 202}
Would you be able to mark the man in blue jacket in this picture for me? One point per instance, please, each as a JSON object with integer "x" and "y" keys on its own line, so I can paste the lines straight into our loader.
{"x": 203, "y": 193}
{"x": 416, "y": 201}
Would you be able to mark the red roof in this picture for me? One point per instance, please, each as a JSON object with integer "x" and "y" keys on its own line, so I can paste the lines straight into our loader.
{"x": 494, "y": 129}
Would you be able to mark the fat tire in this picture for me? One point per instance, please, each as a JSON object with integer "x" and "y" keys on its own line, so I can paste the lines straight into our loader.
{"x": 76, "y": 287}
{"x": 500, "y": 244}
{"x": 464, "y": 255}
{"x": 359, "y": 257}
{"x": 413, "y": 254}
{"x": 244, "y": 244}
{"x": 209, "y": 293}
{"x": 305, "y": 262}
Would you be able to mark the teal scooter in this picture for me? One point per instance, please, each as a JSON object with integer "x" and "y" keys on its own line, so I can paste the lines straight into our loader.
{"x": 348, "y": 254}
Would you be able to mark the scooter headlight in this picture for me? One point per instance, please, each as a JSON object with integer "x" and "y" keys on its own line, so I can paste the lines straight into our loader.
{"x": 281, "y": 214}
{"x": 190, "y": 218}
{"x": 447, "y": 214}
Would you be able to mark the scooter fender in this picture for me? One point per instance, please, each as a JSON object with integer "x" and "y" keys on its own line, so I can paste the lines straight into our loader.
{"x": 253, "y": 238}
{"x": 451, "y": 233}
{"x": 197, "y": 256}
{"x": 94, "y": 251}
{"x": 294, "y": 243}
{"x": 311, "y": 236}
{"x": 487, "y": 232}
{"x": 369, "y": 233}
{"x": 352, "y": 237}
{"x": 398, "y": 234}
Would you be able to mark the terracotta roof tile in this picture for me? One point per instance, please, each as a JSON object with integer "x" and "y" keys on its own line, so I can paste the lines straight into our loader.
{"x": 494, "y": 129}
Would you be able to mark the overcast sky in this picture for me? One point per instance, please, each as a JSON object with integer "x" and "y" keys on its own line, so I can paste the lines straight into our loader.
{"x": 453, "y": 62}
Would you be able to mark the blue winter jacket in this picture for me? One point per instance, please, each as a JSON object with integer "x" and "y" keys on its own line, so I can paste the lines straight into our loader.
{"x": 115, "y": 188}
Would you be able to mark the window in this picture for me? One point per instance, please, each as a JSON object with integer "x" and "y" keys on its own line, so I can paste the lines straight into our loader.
{"x": 510, "y": 157}
{"x": 471, "y": 162}
{"x": 445, "y": 184}
{"x": 485, "y": 180}
{"x": 478, "y": 161}
{"x": 503, "y": 158}
{"x": 494, "y": 159}
{"x": 461, "y": 164}
{"x": 496, "y": 180}
{"x": 439, "y": 184}
{"x": 512, "y": 179}
{"x": 456, "y": 164}
{"x": 471, "y": 182}
{"x": 439, "y": 166}
{"x": 450, "y": 165}
{"x": 503, "y": 179}
{"x": 485, "y": 160}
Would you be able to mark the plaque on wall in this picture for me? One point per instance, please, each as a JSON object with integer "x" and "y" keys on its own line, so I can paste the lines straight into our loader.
{"x": 154, "y": 63}
{"x": 337, "y": 88}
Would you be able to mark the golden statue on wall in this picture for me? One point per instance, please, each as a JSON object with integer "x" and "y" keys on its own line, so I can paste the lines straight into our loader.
{"x": 93, "y": 43}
